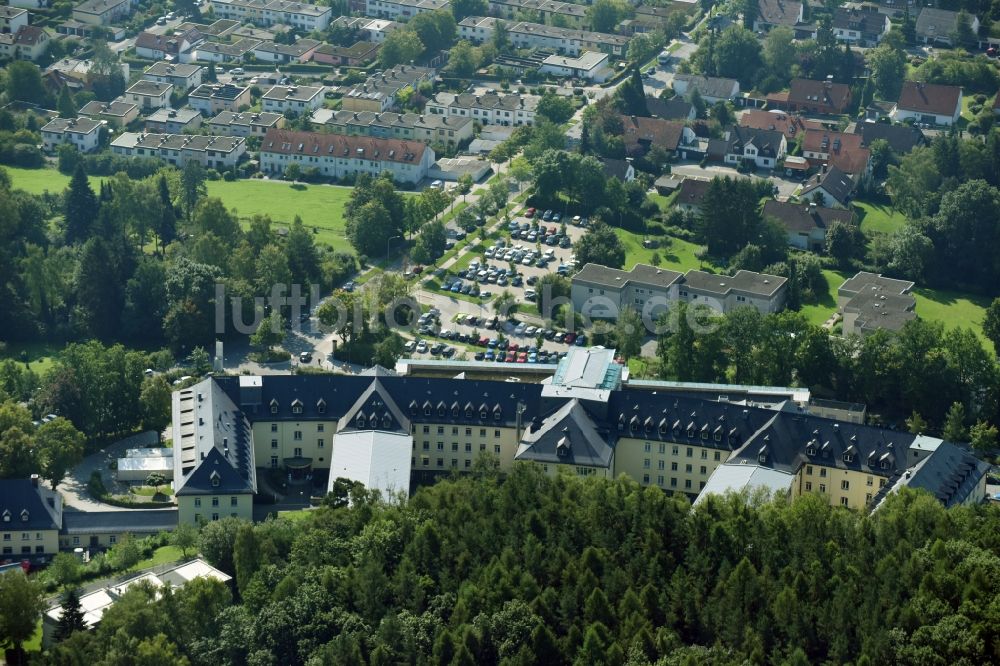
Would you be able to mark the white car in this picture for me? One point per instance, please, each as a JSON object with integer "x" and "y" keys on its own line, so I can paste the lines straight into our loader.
{"x": 530, "y": 331}
{"x": 421, "y": 347}
{"x": 410, "y": 346}
{"x": 520, "y": 329}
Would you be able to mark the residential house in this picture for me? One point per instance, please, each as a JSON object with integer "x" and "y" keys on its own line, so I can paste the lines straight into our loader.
{"x": 341, "y": 156}
{"x": 806, "y": 224}
{"x": 864, "y": 25}
{"x": 928, "y": 103}
{"x": 724, "y": 293}
{"x": 402, "y": 10}
{"x": 837, "y": 149}
{"x": 378, "y": 92}
{"x": 299, "y": 99}
{"x": 901, "y": 138}
{"x": 870, "y": 302}
{"x": 772, "y": 13}
{"x": 712, "y": 89}
{"x": 12, "y": 19}
{"x": 620, "y": 169}
{"x": 691, "y": 194}
{"x": 212, "y": 152}
{"x": 830, "y": 187}
{"x": 182, "y": 77}
{"x": 117, "y": 113}
{"x": 489, "y": 109}
{"x": 173, "y": 121}
{"x": 102, "y": 12}
{"x": 372, "y": 30}
{"x": 527, "y": 35}
{"x": 30, "y": 519}
{"x": 224, "y": 52}
{"x": 302, "y": 50}
{"x": 301, "y": 15}
{"x": 83, "y": 133}
{"x": 938, "y": 26}
{"x": 228, "y": 123}
{"x": 589, "y": 66}
{"x": 29, "y": 43}
{"x": 675, "y": 108}
{"x": 430, "y": 128}
{"x": 817, "y": 97}
{"x": 358, "y": 54}
{"x": 600, "y": 292}
{"x": 211, "y": 98}
{"x": 791, "y": 125}
{"x": 764, "y": 148}
{"x": 149, "y": 95}
{"x": 570, "y": 15}
{"x": 176, "y": 47}
{"x": 641, "y": 134}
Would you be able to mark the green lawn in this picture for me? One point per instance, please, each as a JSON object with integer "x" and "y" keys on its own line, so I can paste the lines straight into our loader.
{"x": 678, "y": 256}
{"x": 321, "y": 207}
{"x": 817, "y": 313}
{"x": 161, "y": 555}
{"x": 40, "y": 355}
{"x": 878, "y": 218}
{"x": 295, "y": 516}
{"x": 663, "y": 202}
{"x": 34, "y": 643}
{"x": 953, "y": 309}
{"x": 36, "y": 181}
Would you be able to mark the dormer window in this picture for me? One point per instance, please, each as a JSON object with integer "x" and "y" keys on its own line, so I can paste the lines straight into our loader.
{"x": 274, "y": 406}
{"x": 427, "y": 410}
{"x": 6, "y": 516}
{"x": 468, "y": 412}
{"x": 360, "y": 421}
{"x": 663, "y": 428}
{"x": 848, "y": 458}
{"x": 413, "y": 408}
{"x": 214, "y": 476}
{"x": 321, "y": 406}
{"x": 884, "y": 464}
{"x": 690, "y": 431}
{"x": 441, "y": 409}
{"x": 810, "y": 450}
{"x": 482, "y": 414}
{"x": 386, "y": 420}
{"x": 24, "y": 516}
{"x": 455, "y": 411}
{"x": 497, "y": 414}
{"x": 297, "y": 407}
{"x": 634, "y": 425}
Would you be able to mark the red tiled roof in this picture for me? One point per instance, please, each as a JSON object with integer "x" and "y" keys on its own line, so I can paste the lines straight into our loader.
{"x": 929, "y": 98}
{"x": 845, "y": 150}
{"x": 788, "y": 124}
{"x": 289, "y": 142}
{"x": 655, "y": 131}
{"x": 820, "y": 93}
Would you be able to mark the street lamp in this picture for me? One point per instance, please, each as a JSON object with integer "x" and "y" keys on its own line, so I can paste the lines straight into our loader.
{"x": 389, "y": 240}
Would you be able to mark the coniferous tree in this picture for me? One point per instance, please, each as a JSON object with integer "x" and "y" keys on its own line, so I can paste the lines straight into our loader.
{"x": 81, "y": 207}
{"x": 71, "y": 619}
{"x": 66, "y": 106}
{"x": 166, "y": 230}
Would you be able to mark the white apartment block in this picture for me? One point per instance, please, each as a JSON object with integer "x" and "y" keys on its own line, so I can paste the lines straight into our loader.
{"x": 228, "y": 123}
{"x": 489, "y": 109}
{"x": 274, "y": 12}
{"x": 525, "y": 35}
{"x": 149, "y": 95}
{"x": 211, "y": 98}
{"x": 182, "y": 77}
{"x": 215, "y": 152}
{"x": 339, "y": 156}
{"x": 102, "y": 12}
{"x": 300, "y": 99}
{"x": 83, "y": 133}
{"x": 402, "y": 10}
{"x": 12, "y": 19}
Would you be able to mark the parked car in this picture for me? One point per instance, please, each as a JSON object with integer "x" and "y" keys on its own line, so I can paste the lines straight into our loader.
{"x": 421, "y": 347}
{"x": 410, "y": 346}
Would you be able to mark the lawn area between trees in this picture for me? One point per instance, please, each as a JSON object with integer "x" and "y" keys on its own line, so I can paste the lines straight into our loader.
{"x": 878, "y": 217}
{"x": 679, "y": 255}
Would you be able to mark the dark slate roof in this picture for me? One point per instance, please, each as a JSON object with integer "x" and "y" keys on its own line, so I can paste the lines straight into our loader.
{"x": 710, "y": 86}
{"x": 692, "y": 191}
{"x": 805, "y": 217}
{"x": 675, "y": 108}
{"x": 569, "y": 436}
{"x": 937, "y": 99}
{"x": 28, "y": 506}
{"x": 950, "y": 473}
{"x": 614, "y": 168}
{"x": 901, "y": 138}
{"x": 779, "y": 12}
{"x": 129, "y": 520}
{"x": 374, "y": 410}
{"x": 747, "y": 282}
{"x": 809, "y": 92}
{"x": 867, "y": 20}
{"x": 768, "y": 142}
{"x": 214, "y": 475}
{"x": 836, "y": 182}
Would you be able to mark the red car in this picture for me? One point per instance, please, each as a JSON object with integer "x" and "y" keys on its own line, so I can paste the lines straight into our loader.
{"x": 511, "y": 356}
{"x": 522, "y": 357}
{"x": 513, "y": 347}
{"x": 530, "y": 212}
{"x": 483, "y": 342}
{"x": 569, "y": 338}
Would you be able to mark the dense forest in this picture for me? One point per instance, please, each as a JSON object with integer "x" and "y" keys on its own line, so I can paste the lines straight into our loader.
{"x": 540, "y": 570}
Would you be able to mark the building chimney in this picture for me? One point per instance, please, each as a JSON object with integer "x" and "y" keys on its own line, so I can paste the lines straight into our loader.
{"x": 34, "y": 480}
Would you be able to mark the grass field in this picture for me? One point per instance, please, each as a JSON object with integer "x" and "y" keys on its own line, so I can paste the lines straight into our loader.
{"x": 321, "y": 207}
{"x": 953, "y": 309}
{"x": 297, "y": 515}
{"x": 878, "y": 218}
{"x": 36, "y": 181}
{"x": 161, "y": 555}
{"x": 40, "y": 356}
{"x": 817, "y": 313}
{"x": 679, "y": 256}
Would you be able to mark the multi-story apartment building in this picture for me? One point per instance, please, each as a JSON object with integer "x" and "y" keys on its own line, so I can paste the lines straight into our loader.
{"x": 340, "y": 156}
{"x": 570, "y": 15}
{"x": 29, "y": 42}
{"x": 103, "y": 12}
{"x": 301, "y": 15}
{"x": 30, "y": 519}
{"x": 373, "y": 30}
{"x": 173, "y": 121}
{"x": 149, "y": 95}
{"x": 214, "y": 152}
{"x": 402, "y": 10}
{"x": 181, "y": 76}
{"x": 12, "y": 19}
{"x": 226, "y": 52}
{"x": 378, "y": 93}
{"x": 83, "y": 133}
{"x": 301, "y": 51}
{"x": 211, "y": 98}
{"x": 300, "y": 99}
{"x": 489, "y": 109}
{"x": 525, "y": 35}
{"x": 387, "y": 431}
{"x": 429, "y": 128}
{"x": 228, "y": 123}
{"x": 117, "y": 113}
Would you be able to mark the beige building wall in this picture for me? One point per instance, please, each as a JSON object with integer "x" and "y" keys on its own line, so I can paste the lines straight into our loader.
{"x": 273, "y": 441}
{"x": 193, "y": 509}
{"x": 13, "y": 543}
{"x": 677, "y": 467}
{"x": 843, "y": 487}
{"x": 441, "y": 448}
{"x": 555, "y": 469}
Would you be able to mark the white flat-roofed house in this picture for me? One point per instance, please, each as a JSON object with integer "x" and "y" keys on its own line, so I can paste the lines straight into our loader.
{"x": 228, "y": 123}
{"x": 211, "y": 98}
{"x": 117, "y": 113}
{"x": 374, "y": 30}
{"x": 173, "y": 121}
{"x": 402, "y": 9}
{"x": 149, "y": 95}
{"x": 724, "y": 293}
{"x": 602, "y": 292}
{"x": 300, "y": 51}
{"x": 430, "y": 128}
{"x": 488, "y": 109}
{"x": 300, "y": 99}
{"x": 102, "y": 12}
{"x": 225, "y": 52}
{"x": 589, "y": 65}
{"x": 215, "y": 152}
{"x": 83, "y": 133}
{"x": 340, "y": 156}
{"x": 297, "y": 14}
{"x": 181, "y": 76}
{"x": 12, "y": 19}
